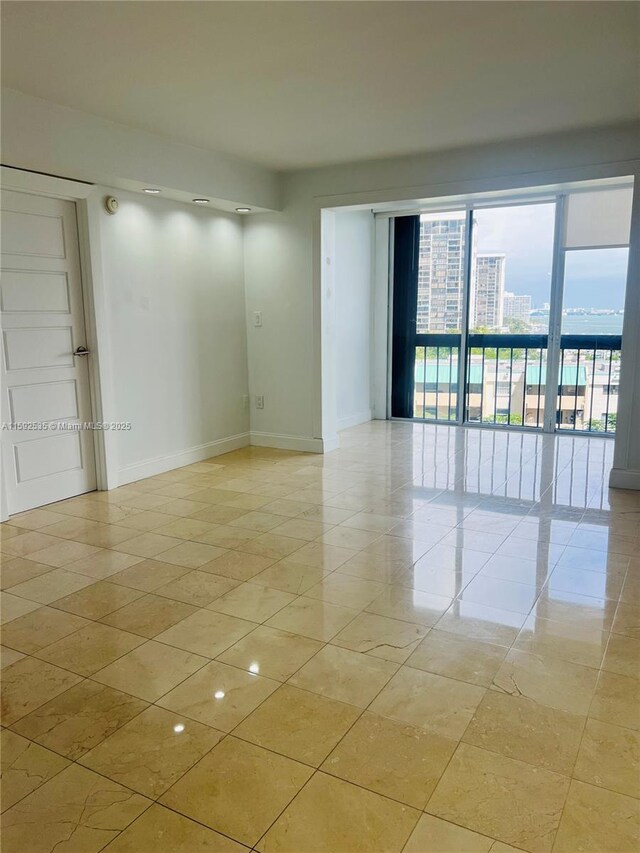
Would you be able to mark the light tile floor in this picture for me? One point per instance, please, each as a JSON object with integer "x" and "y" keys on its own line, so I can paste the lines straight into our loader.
{"x": 428, "y": 640}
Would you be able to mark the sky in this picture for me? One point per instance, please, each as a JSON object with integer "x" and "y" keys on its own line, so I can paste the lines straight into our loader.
{"x": 594, "y": 278}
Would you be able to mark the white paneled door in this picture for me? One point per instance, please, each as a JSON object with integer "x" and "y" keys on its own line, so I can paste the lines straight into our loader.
{"x": 45, "y": 383}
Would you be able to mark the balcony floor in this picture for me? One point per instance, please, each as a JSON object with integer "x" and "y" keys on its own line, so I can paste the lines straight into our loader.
{"x": 426, "y": 640}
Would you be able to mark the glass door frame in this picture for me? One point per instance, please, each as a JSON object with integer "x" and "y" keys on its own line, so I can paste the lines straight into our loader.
{"x": 461, "y": 396}
{"x": 554, "y": 334}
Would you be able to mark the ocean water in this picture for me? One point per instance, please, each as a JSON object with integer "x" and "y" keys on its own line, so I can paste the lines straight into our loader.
{"x": 592, "y": 324}
{"x": 583, "y": 324}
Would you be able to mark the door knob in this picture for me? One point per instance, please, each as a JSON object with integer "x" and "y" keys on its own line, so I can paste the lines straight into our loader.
{"x": 81, "y": 351}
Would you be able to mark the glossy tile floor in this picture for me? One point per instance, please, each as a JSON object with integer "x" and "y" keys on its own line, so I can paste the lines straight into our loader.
{"x": 426, "y": 641}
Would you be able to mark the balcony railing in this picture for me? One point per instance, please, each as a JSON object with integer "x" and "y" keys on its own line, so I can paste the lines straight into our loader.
{"x": 497, "y": 367}
{"x": 436, "y": 377}
{"x": 591, "y": 404}
{"x": 506, "y": 380}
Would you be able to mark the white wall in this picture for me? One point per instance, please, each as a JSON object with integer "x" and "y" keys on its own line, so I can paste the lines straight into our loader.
{"x": 173, "y": 299}
{"x": 352, "y": 282}
{"x": 278, "y": 266}
{"x": 283, "y": 269}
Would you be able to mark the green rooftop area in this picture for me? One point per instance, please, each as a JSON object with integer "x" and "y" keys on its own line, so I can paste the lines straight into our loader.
{"x": 432, "y": 373}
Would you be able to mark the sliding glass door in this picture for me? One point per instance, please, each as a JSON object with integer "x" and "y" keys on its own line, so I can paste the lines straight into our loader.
{"x": 511, "y": 314}
{"x": 593, "y": 294}
{"x": 510, "y": 293}
{"x": 591, "y": 339}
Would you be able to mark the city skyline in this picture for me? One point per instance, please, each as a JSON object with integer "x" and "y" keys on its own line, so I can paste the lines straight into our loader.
{"x": 522, "y": 238}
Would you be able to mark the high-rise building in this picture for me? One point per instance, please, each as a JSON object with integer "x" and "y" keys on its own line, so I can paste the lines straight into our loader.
{"x": 441, "y": 273}
{"x": 487, "y": 291}
{"x": 516, "y": 306}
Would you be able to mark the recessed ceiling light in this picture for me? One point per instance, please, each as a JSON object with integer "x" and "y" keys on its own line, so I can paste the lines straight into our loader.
{"x": 200, "y": 200}
{"x": 151, "y": 190}
{"x": 243, "y": 210}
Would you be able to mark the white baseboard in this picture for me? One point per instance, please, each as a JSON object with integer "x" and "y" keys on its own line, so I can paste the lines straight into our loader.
{"x": 624, "y": 478}
{"x": 151, "y": 467}
{"x": 329, "y": 444}
{"x": 161, "y": 464}
{"x": 354, "y": 420}
{"x": 287, "y": 442}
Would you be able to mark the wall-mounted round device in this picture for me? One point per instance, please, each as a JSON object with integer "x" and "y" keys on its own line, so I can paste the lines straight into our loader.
{"x": 111, "y": 204}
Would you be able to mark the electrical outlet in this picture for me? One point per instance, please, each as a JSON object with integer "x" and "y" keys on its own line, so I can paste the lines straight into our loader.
{"x": 257, "y": 318}
{"x": 259, "y": 401}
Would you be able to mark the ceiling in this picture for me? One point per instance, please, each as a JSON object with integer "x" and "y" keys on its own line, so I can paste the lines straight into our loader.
{"x": 300, "y": 84}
